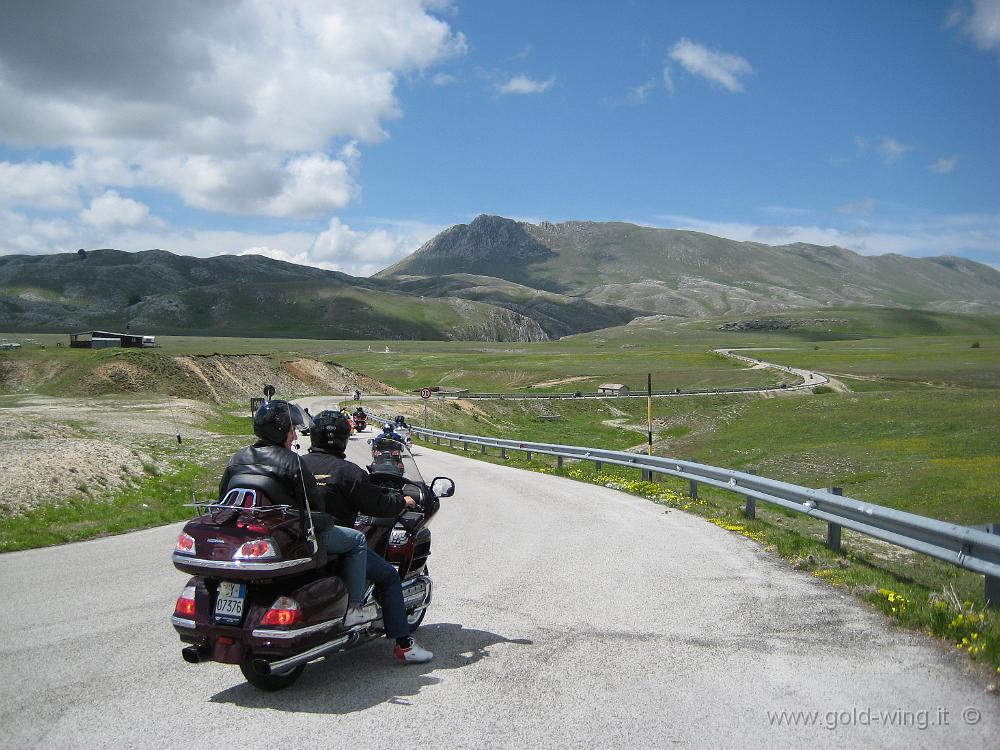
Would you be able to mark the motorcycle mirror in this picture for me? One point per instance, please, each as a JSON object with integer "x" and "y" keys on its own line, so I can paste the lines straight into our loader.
{"x": 268, "y": 392}
{"x": 443, "y": 487}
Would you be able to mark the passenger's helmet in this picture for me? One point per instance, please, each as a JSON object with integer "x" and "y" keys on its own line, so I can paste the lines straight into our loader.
{"x": 272, "y": 420}
{"x": 400, "y": 419}
{"x": 330, "y": 430}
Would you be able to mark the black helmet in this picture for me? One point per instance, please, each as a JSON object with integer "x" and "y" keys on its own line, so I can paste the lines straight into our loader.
{"x": 330, "y": 429}
{"x": 272, "y": 420}
{"x": 400, "y": 419}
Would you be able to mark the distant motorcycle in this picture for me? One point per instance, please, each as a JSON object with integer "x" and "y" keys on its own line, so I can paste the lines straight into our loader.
{"x": 265, "y": 596}
{"x": 360, "y": 420}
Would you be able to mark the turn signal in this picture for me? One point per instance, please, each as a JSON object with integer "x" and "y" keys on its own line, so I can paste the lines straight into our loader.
{"x": 285, "y": 611}
{"x": 185, "y": 544}
{"x": 185, "y": 603}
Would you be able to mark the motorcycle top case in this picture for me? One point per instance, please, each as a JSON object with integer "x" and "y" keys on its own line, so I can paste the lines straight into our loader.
{"x": 244, "y": 547}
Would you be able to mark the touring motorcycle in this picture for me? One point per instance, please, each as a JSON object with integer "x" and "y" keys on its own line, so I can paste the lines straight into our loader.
{"x": 265, "y": 596}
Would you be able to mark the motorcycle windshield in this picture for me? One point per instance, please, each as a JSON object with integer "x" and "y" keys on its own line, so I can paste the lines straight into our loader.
{"x": 393, "y": 457}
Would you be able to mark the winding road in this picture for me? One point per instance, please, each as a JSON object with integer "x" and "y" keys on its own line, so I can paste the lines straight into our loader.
{"x": 565, "y": 615}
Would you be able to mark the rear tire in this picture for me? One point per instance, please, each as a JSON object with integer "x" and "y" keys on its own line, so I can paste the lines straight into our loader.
{"x": 269, "y": 682}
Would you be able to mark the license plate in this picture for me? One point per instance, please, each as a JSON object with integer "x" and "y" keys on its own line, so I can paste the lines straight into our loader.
{"x": 229, "y": 603}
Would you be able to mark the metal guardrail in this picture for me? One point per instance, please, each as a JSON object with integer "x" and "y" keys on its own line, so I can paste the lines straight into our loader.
{"x": 970, "y": 548}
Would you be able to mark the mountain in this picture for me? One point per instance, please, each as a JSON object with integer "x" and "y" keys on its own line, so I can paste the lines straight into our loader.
{"x": 159, "y": 292}
{"x": 669, "y": 271}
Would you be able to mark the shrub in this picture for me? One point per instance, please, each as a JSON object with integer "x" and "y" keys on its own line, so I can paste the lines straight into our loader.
{"x": 818, "y": 389}
{"x": 975, "y": 344}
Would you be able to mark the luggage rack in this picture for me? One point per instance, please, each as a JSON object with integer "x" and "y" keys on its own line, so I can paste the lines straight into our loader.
{"x": 242, "y": 500}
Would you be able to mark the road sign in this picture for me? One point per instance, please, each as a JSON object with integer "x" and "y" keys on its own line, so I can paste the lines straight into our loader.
{"x": 425, "y": 393}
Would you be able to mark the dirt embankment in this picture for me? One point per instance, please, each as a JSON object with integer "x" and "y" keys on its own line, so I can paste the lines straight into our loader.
{"x": 217, "y": 378}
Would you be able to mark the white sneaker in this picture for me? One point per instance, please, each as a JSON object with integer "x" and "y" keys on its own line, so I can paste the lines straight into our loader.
{"x": 412, "y": 655}
{"x": 356, "y": 614}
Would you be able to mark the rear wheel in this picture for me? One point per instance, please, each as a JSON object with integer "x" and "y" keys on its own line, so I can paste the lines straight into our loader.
{"x": 269, "y": 682}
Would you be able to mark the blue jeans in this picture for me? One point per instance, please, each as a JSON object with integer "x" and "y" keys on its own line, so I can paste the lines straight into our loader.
{"x": 351, "y": 545}
{"x": 389, "y": 592}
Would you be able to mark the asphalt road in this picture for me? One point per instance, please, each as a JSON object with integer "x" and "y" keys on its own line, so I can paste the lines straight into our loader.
{"x": 564, "y": 615}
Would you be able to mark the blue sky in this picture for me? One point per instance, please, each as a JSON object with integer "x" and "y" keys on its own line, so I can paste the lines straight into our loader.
{"x": 345, "y": 134}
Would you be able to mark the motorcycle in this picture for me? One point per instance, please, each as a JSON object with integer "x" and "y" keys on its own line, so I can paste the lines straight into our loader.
{"x": 360, "y": 422}
{"x": 265, "y": 596}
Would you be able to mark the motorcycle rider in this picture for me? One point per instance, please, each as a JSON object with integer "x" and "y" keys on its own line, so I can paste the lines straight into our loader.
{"x": 278, "y": 471}
{"x": 348, "y": 492}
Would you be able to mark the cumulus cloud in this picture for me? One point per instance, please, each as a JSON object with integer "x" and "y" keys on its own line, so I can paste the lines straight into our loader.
{"x": 979, "y": 20}
{"x": 525, "y": 85}
{"x": 363, "y": 253}
{"x": 112, "y": 211}
{"x": 720, "y": 68}
{"x": 944, "y": 165}
{"x": 236, "y": 105}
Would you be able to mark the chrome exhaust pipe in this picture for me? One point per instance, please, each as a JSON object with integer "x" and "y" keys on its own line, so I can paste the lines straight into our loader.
{"x": 265, "y": 667}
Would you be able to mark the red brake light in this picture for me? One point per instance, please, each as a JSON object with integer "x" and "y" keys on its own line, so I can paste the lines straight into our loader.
{"x": 256, "y": 549}
{"x": 185, "y": 603}
{"x": 185, "y": 544}
{"x": 285, "y": 611}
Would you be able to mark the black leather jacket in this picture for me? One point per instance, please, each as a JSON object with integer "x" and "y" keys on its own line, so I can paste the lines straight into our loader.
{"x": 349, "y": 489}
{"x": 274, "y": 470}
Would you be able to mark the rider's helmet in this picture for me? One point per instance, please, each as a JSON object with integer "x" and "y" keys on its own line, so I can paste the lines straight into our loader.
{"x": 387, "y": 429}
{"x": 330, "y": 430}
{"x": 272, "y": 420}
{"x": 400, "y": 419}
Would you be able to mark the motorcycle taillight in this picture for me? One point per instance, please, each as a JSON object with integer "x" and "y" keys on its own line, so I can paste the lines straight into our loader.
{"x": 285, "y": 611}
{"x": 185, "y": 544}
{"x": 185, "y": 603}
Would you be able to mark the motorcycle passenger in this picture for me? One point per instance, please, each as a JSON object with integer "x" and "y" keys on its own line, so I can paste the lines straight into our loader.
{"x": 349, "y": 491}
{"x": 278, "y": 470}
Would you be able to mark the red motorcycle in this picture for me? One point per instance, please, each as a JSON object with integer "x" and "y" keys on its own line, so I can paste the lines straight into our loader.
{"x": 360, "y": 421}
{"x": 265, "y": 596}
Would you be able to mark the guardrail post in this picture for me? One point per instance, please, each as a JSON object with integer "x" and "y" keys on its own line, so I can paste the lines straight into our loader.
{"x": 527, "y": 455}
{"x": 465, "y": 445}
{"x": 597, "y": 466}
{"x": 482, "y": 449}
{"x": 993, "y": 582}
{"x": 437, "y": 440}
{"x": 750, "y": 509}
{"x": 693, "y": 489}
{"x": 451, "y": 444}
{"x": 559, "y": 462}
{"x": 833, "y": 529}
{"x": 503, "y": 453}
{"x": 647, "y": 475}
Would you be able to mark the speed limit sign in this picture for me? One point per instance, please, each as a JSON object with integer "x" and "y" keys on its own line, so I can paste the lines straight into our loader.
{"x": 425, "y": 393}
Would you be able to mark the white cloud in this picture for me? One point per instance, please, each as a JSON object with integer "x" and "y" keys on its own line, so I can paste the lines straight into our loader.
{"x": 668, "y": 80}
{"x": 364, "y": 253}
{"x": 864, "y": 207}
{"x": 720, "y": 68}
{"x": 234, "y": 106}
{"x": 892, "y": 150}
{"x": 443, "y": 79}
{"x": 974, "y": 236}
{"x": 639, "y": 94}
{"x": 944, "y": 165}
{"x": 111, "y": 211}
{"x": 39, "y": 185}
{"x": 981, "y": 22}
{"x": 525, "y": 85}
